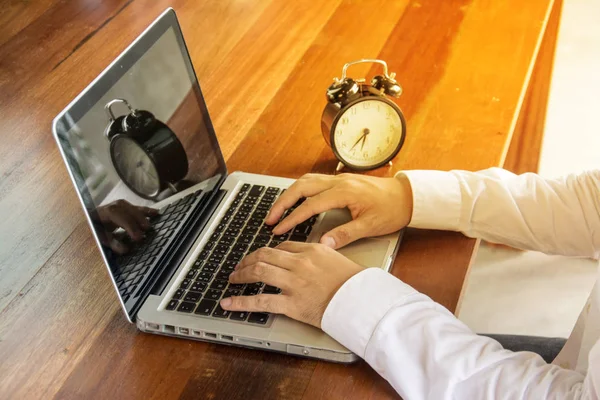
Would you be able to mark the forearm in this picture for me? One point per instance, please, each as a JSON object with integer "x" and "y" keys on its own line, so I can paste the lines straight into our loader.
{"x": 560, "y": 216}
{"x": 425, "y": 352}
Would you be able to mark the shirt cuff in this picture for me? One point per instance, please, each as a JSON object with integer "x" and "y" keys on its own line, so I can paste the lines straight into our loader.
{"x": 360, "y": 304}
{"x": 436, "y": 200}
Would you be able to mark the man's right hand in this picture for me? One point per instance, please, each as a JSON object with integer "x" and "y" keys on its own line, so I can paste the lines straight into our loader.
{"x": 378, "y": 205}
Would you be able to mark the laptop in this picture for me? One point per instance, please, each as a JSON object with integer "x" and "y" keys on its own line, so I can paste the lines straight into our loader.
{"x": 140, "y": 148}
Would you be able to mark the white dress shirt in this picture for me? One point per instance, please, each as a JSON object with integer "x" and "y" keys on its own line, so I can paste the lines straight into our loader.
{"x": 423, "y": 350}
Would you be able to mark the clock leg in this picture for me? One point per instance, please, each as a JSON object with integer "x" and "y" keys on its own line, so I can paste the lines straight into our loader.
{"x": 339, "y": 167}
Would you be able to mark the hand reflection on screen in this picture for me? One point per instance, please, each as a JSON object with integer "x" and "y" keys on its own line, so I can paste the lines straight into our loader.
{"x": 133, "y": 221}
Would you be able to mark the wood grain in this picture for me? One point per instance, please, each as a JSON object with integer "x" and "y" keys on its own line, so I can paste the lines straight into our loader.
{"x": 526, "y": 143}
{"x": 264, "y": 67}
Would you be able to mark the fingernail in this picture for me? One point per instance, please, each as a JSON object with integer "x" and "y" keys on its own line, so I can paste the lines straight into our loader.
{"x": 226, "y": 302}
{"x": 231, "y": 274}
{"x": 236, "y": 267}
{"x": 328, "y": 241}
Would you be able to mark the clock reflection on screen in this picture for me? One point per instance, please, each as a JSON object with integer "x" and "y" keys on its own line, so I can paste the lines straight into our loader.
{"x": 146, "y": 153}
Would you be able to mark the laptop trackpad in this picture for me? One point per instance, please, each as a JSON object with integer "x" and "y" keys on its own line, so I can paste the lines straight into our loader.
{"x": 366, "y": 252}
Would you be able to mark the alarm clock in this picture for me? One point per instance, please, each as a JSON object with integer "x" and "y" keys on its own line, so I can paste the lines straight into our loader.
{"x": 145, "y": 152}
{"x": 364, "y": 128}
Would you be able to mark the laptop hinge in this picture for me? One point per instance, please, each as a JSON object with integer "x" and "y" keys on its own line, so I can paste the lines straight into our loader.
{"x": 189, "y": 235}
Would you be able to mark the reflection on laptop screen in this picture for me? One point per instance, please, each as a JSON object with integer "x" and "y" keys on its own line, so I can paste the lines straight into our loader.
{"x": 140, "y": 134}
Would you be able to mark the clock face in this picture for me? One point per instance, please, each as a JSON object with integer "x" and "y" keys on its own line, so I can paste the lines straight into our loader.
{"x": 368, "y": 133}
{"x": 135, "y": 167}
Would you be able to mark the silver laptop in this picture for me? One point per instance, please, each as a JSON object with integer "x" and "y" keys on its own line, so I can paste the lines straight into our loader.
{"x": 140, "y": 148}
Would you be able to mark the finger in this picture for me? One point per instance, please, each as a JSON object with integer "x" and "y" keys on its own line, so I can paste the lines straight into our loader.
{"x": 295, "y": 247}
{"x": 307, "y": 186}
{"x": 138, "y": 214}
{"x": 271, "y": 256}
{"x": 325, "y": 201}
{"x": 109, "y": 240}
{"x": 148, "y": 211}
{"x": 271, "y": 303}
{"x": 344, "y": 234}
{"x": 126, "y": 221}
{"x": 263, "y": 272}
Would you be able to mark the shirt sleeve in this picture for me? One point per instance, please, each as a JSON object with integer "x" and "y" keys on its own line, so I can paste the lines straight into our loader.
{"x": 419, "y": 346}
{"x": 427, "y": 353}
{"x": 554, "y": 216}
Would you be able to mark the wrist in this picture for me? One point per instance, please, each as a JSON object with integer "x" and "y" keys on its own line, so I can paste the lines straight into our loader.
{"x": 406, "y": 197}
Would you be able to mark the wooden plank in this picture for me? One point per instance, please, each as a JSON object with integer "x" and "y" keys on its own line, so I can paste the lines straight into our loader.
{"x": 526, "y": 144}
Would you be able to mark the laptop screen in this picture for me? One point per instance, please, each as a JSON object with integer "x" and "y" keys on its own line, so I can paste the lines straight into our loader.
{"x": 138, "y": 136}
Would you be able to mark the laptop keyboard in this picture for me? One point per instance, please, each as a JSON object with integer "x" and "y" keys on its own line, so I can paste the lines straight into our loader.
{"x": 239, "y": 232}
{"x": 135, "y": 264}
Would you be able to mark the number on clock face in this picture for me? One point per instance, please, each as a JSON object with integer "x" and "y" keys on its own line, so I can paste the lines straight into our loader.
{"x": 368, "y": 133}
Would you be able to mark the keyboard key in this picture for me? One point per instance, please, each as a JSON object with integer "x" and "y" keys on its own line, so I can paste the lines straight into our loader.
{"x": 232, "y": 292}
{"x": 186, "y": 307}
{"x": 227, "y": 240}
{"x": 221, "y": 249}
{"x": 203, "y": 254}
{"x": 219, "y": 284}
{"x": 220, "y": 313}
{"x": 191, "y": 273}
{"x": 235, "y": 256}
{"x": 193, "y": 297}
{"x": 172, "y": 305}
{"x": 236, "y": 286}
{"x": 210, "y": 267}
{"x": 204, "y": 276}
{"x": 303, "y": 230}
{"x": 298, "y": 238}
{"x": 274, "y": 243}
{"x": 239, "y": 316}
{"x": 198, "y": 286}
{"x": 223, "y": 275}
{"x": 259, "y": 214}
{"x": 245, "y": 239}
{"x": 185, "y": 284}
{"x": 263, "y": 206}
{"x": 250, "y": 230}
{"x": 205, "y": 307}
{"x": 232, "y": 232}
{"x": 251, "y": 291}
{"x": 256, "y": 190}
{"x": 268, "y": 289}
{"x": 266, "y": 230}
{"x": 272, "y": 190}
{"x": 245, "y": 187}
{"x": 262, "y": 239}
{"x": 216, "y": 258}
{"x": 240, "y": 248}
{"x": 178, "y": 294}
{"x": 213, "y": 294}
{"x": 258, "y": 318}
{"x": 281, "y": 238}
{"x": 255, "y": 246}
{"x": 256, "y": 223}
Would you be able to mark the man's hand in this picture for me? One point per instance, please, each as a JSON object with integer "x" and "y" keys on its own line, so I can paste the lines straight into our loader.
{"x": 378, "y": 205}
{"x": 309, "y": 275}
{"x": 122, "y": 214}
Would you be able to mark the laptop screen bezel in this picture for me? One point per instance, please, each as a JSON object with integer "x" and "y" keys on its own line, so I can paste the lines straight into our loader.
{"x": 89, "y": 98}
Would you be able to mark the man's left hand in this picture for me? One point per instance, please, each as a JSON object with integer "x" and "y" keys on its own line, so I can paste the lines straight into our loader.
{"x": 309, "y": 275}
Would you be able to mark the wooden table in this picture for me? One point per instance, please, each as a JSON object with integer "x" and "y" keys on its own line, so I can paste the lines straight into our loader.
{"x": 468, "y": 69}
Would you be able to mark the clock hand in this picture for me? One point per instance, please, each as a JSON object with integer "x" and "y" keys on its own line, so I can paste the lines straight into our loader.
{"x": 363, "y": 142}
{"x": 359, "y": 139}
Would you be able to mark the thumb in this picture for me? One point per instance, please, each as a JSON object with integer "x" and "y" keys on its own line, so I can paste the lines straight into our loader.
{"x": 344, "y": 234}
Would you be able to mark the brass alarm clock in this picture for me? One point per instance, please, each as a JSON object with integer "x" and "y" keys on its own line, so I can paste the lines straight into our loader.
{"x": 364, "y": 128}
